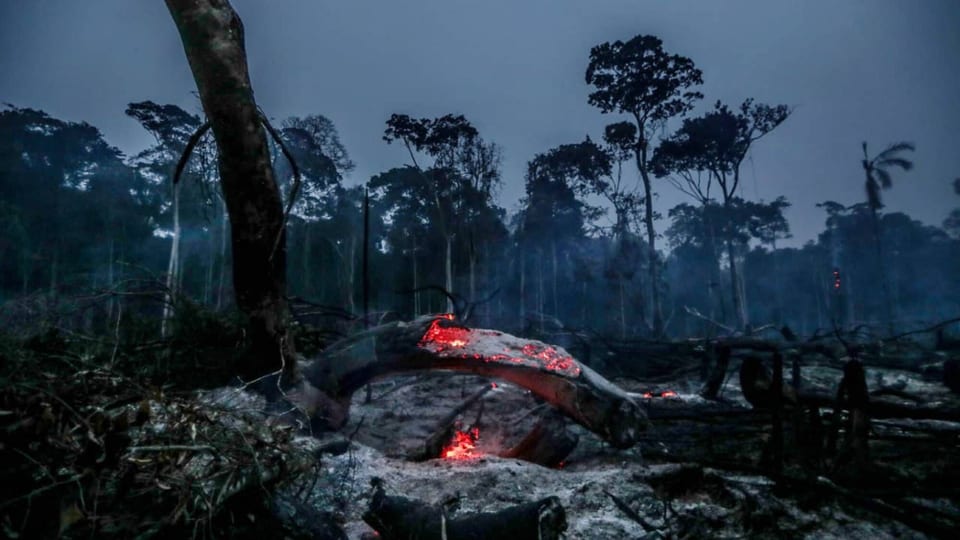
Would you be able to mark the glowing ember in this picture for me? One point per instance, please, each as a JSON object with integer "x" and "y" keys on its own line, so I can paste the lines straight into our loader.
{"x": 664, "y": 394}
{"x": 462, "y": 446}
{"x": 450, "y": 337}
{"x": 447, "y": 340}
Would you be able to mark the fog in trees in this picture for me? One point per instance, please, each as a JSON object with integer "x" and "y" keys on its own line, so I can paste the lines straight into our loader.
{"x": 639, "y": 196}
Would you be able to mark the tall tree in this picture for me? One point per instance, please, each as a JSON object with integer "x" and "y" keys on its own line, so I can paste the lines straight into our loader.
{"x": 877, "y": 172}
{"x": 323, "y": 161}
{"x": 171, "y": 128}
{"x": 551, "y": 222}
{"x": 52, "y": 174}
{"x": 445, "y": 139}
{"x": 213, "y": 39}
{"x": 640, "y": 79}
{"x": 718, "y": 143}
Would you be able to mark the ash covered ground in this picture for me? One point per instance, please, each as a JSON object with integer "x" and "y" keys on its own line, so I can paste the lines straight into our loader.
{"x": 705, "y": 503}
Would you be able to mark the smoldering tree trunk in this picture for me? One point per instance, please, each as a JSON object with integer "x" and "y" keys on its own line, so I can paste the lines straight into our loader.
{"x": 213, "y": 39}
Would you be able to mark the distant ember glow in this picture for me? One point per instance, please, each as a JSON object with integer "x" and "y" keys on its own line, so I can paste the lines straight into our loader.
{"x": 664, "y": 394}
{"x": 463, "y": 445}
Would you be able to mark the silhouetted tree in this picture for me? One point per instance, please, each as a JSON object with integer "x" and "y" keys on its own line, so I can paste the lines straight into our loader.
{"x": 952, "y": 223}
{"x": 638, "y": 78}
{"x": 877, "y": 172}
{"x": 717, "y": 143}
{"x": 551, "y": 223}
{"x": 323, "y": 161}
{"x": 171, "y": 128}
{"x": 461, "y": 180}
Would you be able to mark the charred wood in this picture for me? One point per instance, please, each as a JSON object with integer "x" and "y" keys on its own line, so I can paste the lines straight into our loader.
{"x": 444, "y": 430}
{"x": 399, "y": 518}
{"x": 547, "y": 444}
{"x": 437, "y": 343}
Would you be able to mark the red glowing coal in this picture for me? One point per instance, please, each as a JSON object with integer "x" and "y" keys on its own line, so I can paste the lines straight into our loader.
{"x": 462, "y": 446}
{"x": 664, "y": 394}
{"x": 450, "y": 340}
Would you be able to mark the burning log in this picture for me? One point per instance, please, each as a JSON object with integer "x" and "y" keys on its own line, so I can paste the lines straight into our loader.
{"x": 399, "y": 518}
{"x": 547, "y": 444}
{"x": 437, "y": 343}
{"x": 446, "y": 428}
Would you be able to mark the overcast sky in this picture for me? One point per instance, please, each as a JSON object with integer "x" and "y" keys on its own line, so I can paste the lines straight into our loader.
{"x": 875, "y": 70}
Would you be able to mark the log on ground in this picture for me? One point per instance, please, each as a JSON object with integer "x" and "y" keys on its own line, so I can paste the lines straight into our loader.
{"x": 399, "y": 518}
{"x": 438, "y": 343}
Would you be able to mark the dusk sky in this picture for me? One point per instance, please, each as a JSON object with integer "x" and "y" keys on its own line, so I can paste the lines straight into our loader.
{"x": 874, "y": 70}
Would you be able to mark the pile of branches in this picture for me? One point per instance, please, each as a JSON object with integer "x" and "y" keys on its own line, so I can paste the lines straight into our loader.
{"x": 90, "y": 453}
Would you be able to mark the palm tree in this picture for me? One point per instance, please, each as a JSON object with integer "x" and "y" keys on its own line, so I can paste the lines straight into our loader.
{"x": 877, "y": 172}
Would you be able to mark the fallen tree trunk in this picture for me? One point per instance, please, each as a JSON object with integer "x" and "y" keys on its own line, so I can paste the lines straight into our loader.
{"x": 437, "y": 343}
{"x": 399, "y": 518}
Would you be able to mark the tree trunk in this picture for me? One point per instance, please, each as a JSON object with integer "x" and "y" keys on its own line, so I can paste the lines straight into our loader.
{"x": 651, "y": 239}
{"x": 448, "y": 270}
{"x": 213, "y": 40}
{"x": 365, "y": 268}
{"x": 735, "y": 286}
{"x": 172, "y": 265}
{"x": 553, "y": 257}
{"x": 305, "y": 284}
{"x": 224, "y": 221}
{"x": 884, "y": 283}
{"x": 540, "y": 303}
{"x": 416, "y": 282}
{"x": 523, "y": 282}
{"x": 111, "y": 304}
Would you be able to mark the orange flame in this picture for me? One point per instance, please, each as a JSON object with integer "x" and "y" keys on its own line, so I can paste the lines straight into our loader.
{"x": 462, "y": 446}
